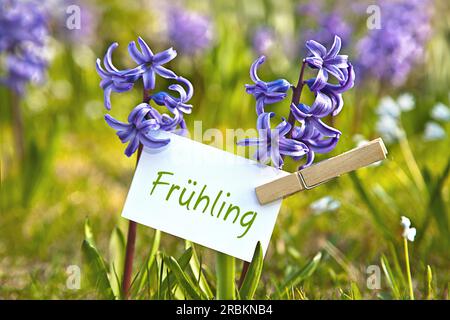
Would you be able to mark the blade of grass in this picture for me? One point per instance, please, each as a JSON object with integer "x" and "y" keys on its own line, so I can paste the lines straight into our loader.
{"x": 96, "y": 266}
{"x": 372, "y": 208}
{"x": 197, "y": 271}
{"x": 117, "y": 260}
{"x": 169, "y": 281}
{"x": 253, "y": 275}
{"x": 392, "y": 282}
{"x": 183, "y": 280}
{"x": 429, "y": 284}
{"x": 144, "y": 271}
{"x": 297, "y": 276}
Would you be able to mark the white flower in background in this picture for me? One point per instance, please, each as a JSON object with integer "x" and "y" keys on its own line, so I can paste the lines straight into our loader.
{"x": 408, "y": 232}
{"x": 389, "y": 112}
{"x": 389, "y": 128}
{"x": 324, "y": 204}
{"x": 406, "y": 102}
{"x": 433, "y": 131}
{"x": 388, "y": 107}
{"x": 440, "y": 112}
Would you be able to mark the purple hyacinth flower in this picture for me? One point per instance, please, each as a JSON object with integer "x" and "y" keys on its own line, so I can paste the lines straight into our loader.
{"x": 310, "y": 117}
{"x": 266, "y": 92}
{"x": 327, "y": 62}
{"x": 273, "y": 144}
{"x": 189, "y": 31}
{"x": 332, "y": 93}
{"x": 171, "y": 102}
{"x": 263, "y": 40}
{"x": 315, "y": 141}
{"x": 141, "y": 122}
{"x": 400, "y": 43}
{"x": 151, "y": 64}
{"x": 23, "y": 34}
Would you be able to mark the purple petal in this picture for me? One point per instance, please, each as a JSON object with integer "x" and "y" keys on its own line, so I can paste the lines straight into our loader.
{"x": 316, "y": 48}
{"x": 107, "y": 97}
{"x": 190, "y": 88}
{"x": 151, "y": 142}
{"x": 335, "y": 71}
{"x": 254, "y": 68}
{"x": 298, "y": 114}
{"x": 135, "y": 54}
{"x": 116, "y": 124}
{"x": 263, "y": 122}
{"x": 132, "y": 146}
{"x": 132, "y": 117}
{"x": 309, "y": 160}
{"x": 100, "y": 70}
{"x": 149, "y": 79}
{"x": 321, "y": 80}
{"x": 322, "y": 105}
{"x": 324, "y": 129}
{"x": 340, "y": 61}
{"x": 146, "y": 52}
{"x": 107, "y": 60}
{"x": 323, "y": 146}
{"x": 335, "y": 48}
{"x": 248, "y": 142}
{"x": 165, "y": 73}
{"x": 283, "y": 128}
{"x": 164, "y": 56}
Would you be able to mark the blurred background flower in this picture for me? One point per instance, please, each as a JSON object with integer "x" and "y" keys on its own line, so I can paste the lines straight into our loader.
{"x": 391, "y": 52}
{"x": 190, "y": 32}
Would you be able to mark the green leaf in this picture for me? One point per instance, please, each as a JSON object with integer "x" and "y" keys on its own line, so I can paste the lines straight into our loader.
{"x": 97, "y": 272}
{"x": 169, "y": 281}
{"x": 355, "y": 293}
{"x": 377, "y": 217}
{"x": 117, "y": 260}
{"x": 197, "y": 272}
{"x": 95, "y": 265}
{"x": 253, "y": 275}
{"x": 183, "y": 280}
{"x": 144, "y": 271}
{"x": 391, "y": 280}
{"x": 295, "y": 277}
{"x": 225, "y": 270}
{"x": 88, "y": 234}
{"x": 429, "y": 283}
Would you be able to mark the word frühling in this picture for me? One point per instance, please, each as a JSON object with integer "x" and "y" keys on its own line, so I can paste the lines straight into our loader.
{"x": 203, "y": 202}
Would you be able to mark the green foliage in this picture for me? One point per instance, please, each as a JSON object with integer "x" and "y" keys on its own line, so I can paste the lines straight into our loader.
{"x": 251, "y": 280}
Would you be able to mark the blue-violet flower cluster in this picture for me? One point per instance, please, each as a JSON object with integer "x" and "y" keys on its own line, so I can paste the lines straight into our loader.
{"x": 144, "y": 121}
{"x": 312, "y": 135}
{"x": 23, "y": 34}
{"x": 390, "y": 53}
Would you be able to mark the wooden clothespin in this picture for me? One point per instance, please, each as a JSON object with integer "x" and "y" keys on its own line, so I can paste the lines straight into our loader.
{"x": 323, "y": 171}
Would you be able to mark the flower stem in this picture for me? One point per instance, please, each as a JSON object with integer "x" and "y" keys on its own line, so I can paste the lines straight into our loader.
{"x": 17, "y": 119}
{"x": 408, "y": 270}
{"x": 296, "y": 94}
{"x": 225, "y": 271}
{"x": 132, "y": 226}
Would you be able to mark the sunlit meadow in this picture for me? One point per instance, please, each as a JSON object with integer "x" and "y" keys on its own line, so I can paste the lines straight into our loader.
{"x": 382, "y": 232}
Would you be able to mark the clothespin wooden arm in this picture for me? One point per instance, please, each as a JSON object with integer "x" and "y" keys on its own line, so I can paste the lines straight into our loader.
{"x": 323, "y": 171}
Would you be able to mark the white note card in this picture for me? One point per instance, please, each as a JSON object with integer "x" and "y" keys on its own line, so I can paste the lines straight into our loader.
{"x": 203, "y": 194}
